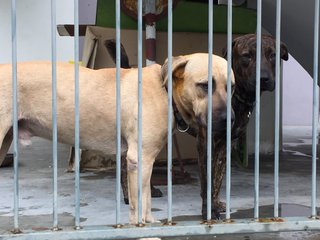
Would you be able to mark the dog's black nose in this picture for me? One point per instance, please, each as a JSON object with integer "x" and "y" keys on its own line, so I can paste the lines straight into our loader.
{"x": 264, "y": 76}
{"x": 266, "y": 80}
{"x": 220, "y": 122}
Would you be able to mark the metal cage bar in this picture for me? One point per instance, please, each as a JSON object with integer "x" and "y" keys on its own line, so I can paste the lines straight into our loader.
{"x": 76, "y": 114}
{"x": 169, "y": 145}
{"x": 15, "y": 114}
{"x": 257, "y": 123}
{"x": 315, "y": 109}
{"x": 140, "y": 111}
{"x": 209, "y": 124}
{"x": 229, "y": 107}
{"x": 180, "y": 227}
{"x": 54, "y": 114}
{"x": 277, "y": 111}
{"x": 118, "y": 114}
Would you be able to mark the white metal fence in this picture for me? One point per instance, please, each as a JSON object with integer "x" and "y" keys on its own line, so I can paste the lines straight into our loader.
{"x": 120, "y": 231}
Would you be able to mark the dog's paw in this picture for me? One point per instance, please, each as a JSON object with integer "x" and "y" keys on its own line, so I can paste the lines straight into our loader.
{"x": 69, "y": 170}
{"x": 215, "y": 214}
{"x": 155, "y": 192}
{"x": 221, "y": 206}
{"x": 151, "y": 219}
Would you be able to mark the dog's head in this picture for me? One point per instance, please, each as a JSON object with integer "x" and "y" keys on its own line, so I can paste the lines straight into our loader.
{"x": 190, "y": 89}
{"x": 244, "y": 62}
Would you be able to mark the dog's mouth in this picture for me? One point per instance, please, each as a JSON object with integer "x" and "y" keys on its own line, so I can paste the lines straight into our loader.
{"x": 219, "y": 127}
{"x": 267, "y": 86}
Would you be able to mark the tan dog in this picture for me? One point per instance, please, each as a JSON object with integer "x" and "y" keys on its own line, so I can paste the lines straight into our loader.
{"x": 97, "y": 109}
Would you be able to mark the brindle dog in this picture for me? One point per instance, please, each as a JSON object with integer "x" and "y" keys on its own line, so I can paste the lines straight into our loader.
{"x": 243, "y": 102}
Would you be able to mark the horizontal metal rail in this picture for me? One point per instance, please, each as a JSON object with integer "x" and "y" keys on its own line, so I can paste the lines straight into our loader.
{"x": 188, "y": 228}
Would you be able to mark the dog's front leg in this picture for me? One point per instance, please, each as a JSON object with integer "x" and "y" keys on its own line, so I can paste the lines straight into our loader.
{"x": 202, "y": 163}
{"x": 219, "y": 168}
{"x": 132, "y": 167}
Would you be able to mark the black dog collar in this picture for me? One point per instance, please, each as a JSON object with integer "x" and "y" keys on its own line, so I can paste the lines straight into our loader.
{"x": 182, "y": 126}
{"x": 244, "y": 101}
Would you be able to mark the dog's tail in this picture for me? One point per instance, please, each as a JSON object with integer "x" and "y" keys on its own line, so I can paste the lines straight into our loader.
{"x": 111, "y": 48}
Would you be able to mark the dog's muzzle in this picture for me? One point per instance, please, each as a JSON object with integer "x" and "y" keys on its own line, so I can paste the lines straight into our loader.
{"x": 267, "y": 82}
{"x": 219, "y": 122}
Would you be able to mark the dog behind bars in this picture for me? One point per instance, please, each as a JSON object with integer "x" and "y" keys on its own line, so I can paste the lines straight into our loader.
{"x": 243, "y": 102}
{"x": 97, "y": 109}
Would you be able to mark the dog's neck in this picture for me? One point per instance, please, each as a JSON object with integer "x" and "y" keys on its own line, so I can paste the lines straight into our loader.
{"x": 243, "y": 105}
{"x": 249, "y": 100}
{"x": 244, "y": 101}
{"x": 181, "y": 124}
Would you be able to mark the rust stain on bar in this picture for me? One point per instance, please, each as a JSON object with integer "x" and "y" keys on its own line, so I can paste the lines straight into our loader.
{"x": 268, "y": 220}
{"x": 169, "y": 223}
{"x": 118, "y": 226}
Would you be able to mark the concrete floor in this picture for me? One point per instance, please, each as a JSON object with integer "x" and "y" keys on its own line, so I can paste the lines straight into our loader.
{"x": 98, "y": 191}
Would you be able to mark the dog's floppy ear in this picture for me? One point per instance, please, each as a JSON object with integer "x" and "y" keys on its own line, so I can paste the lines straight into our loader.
{"x": 225, "y": 49}
{"x": 110, "y": 45}
{"x": 178, "y": 65}
{"x": 284, "y": 52}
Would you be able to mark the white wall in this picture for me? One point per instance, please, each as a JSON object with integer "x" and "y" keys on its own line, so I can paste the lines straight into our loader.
{"x": 34, "y": 30}
{"x": 297, "y": 32}
{"x": 87, "y": 16}
{"x": 297, "y": 94}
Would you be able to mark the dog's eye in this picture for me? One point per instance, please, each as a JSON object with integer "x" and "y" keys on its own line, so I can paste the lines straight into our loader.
{"x": 246, "y": 56}
{"x": 203, "y": 86}
{"x": 245, "y": 59}
{"x": 272, "y": 57}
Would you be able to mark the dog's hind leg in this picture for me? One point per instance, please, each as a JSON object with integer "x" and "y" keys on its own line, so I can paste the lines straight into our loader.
{"x": 5, "y": 139}
{"x": 124, "y": 180}
{"x": 6, "y": 143}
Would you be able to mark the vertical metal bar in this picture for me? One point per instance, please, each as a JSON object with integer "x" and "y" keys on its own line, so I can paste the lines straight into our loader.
{"x": 257, "y": 128}
{"x": 229, "y": 107}
{"x": 15, "y": 114}
{"x": 209, "y": 124}
{"x": 118, "y": 113}
{"x": 54, "y": 114}
{"x": 315, "y": 109}
{"x": 140, "y": 111}
{"x": 169, "y": 175}
{"x": 150, "y": 43}
{"x": 277, "y": 112}
{"x": 76, "y": 114}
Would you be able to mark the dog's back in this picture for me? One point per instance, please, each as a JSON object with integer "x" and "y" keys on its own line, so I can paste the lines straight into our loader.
{"x": 97, "y": 101}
